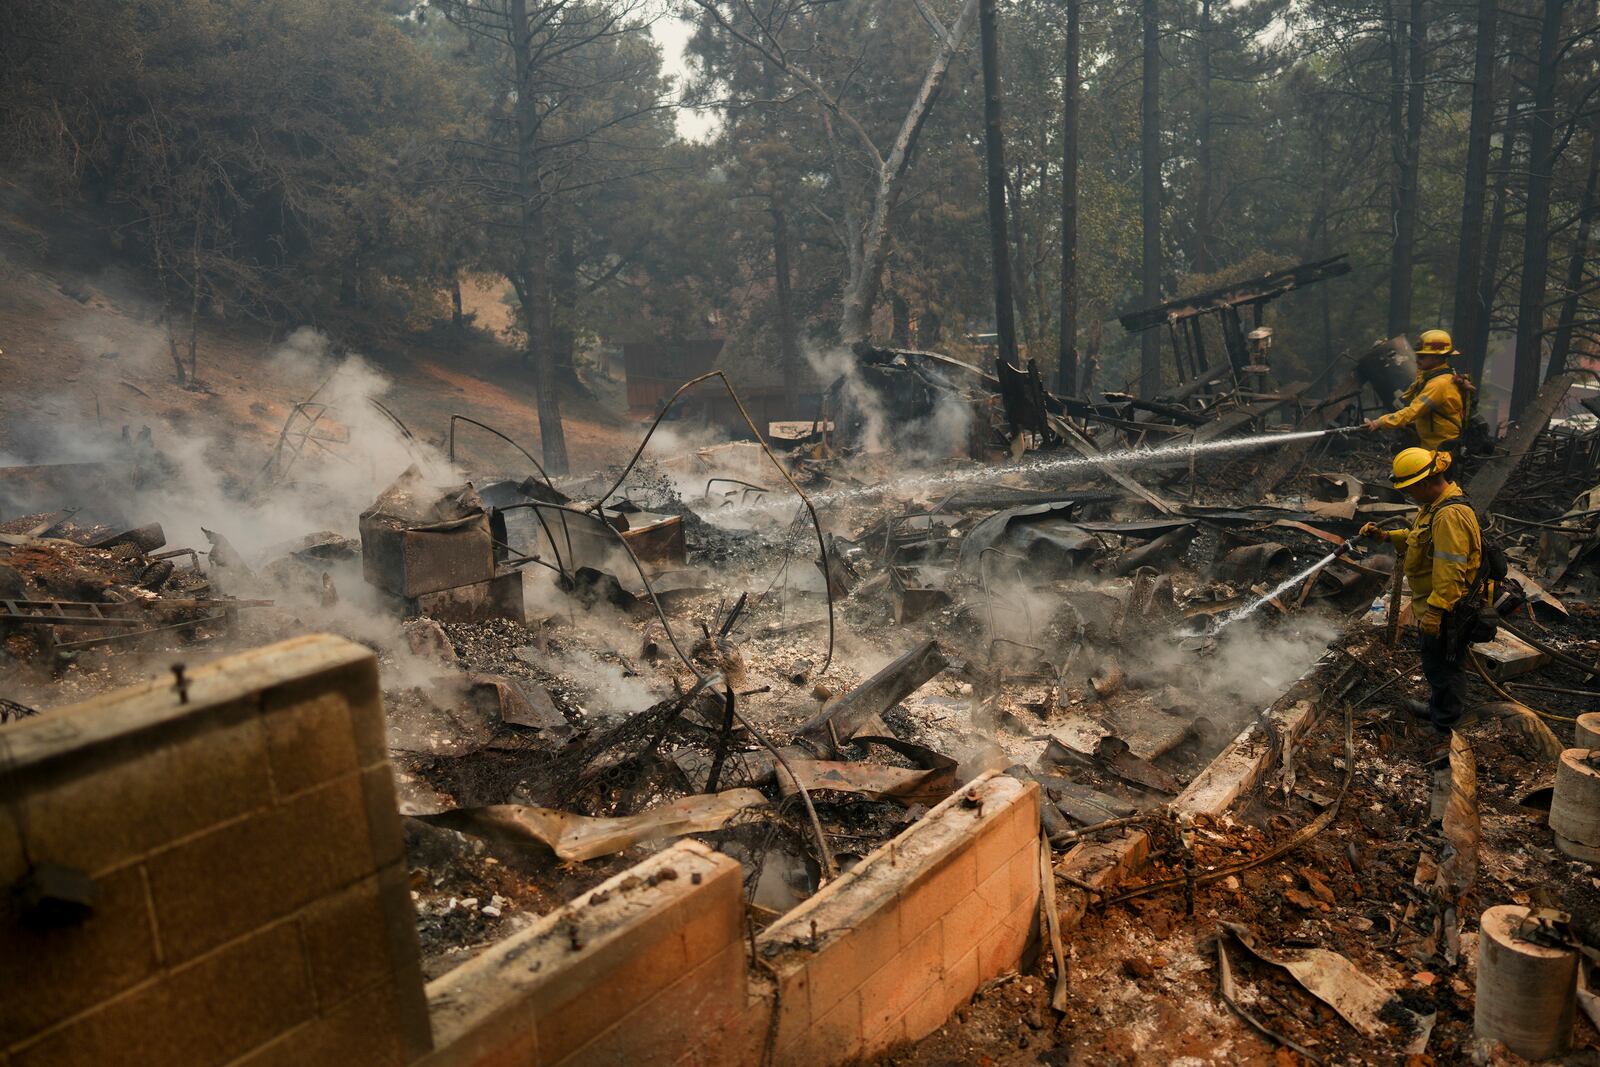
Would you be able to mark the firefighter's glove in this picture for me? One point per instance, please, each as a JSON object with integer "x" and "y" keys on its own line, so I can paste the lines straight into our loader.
{"x": 1431, "y": 621}
{"x": 1373, "y": 532}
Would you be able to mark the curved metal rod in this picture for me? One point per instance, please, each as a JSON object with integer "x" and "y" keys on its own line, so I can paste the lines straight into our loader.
{"x": 375, "y": 402}
{"x": 485, "y": 426}
{"x": 822, "y": 544}
{"x": 830, "y": 868}
{"x": 535, "y": 505}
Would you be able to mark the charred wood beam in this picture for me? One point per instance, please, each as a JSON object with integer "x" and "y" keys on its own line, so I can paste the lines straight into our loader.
{"x": 877, "y": 694}
{"x": 1170, "y": 411}
{"x": 1487, "y": 484}
{"x": 1268, "y": 286}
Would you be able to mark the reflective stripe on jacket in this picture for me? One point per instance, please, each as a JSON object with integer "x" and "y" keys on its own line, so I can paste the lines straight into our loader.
{"x": 1444, "y": 549}
{"x": 1434, "y": 404}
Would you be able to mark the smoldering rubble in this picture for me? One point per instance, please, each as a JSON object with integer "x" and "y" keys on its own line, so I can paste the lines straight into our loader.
{"x": 788, "y": 654}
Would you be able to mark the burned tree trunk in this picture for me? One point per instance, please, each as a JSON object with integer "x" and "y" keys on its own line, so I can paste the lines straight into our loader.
{"x": 1067, "y": 368}
{"x": 533, "y": 257}
{"x": 1405, "y": 127}
{"x": 995, "y": 166}
{"x": 1466, "y": 312}
{"x": 1150, "y": 200}
{"x": 788, "y": 343}
{"x": 861, "y": 292}
{"x": 564, "y": 305}
{"x": 1205, "y": 262}
{"x": 1577, "y": 265}
{"x": 1476, "y": 346}
{"x": 899, "y": 321}
{"x": 1536, "y": 237}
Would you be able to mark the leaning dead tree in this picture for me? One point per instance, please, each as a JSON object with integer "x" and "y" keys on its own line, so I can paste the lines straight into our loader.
{"x": 783, "y": 35}
{"x": 577, "y": 85}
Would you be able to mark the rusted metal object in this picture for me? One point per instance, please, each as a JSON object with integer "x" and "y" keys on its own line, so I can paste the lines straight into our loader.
{"x": 910, "y": 596}
{"x": 416, "y": 540}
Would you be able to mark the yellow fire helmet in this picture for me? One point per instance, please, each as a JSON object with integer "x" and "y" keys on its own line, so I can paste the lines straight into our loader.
{"x": 1436, "y": 343}
{"x": 1414, "y": 464}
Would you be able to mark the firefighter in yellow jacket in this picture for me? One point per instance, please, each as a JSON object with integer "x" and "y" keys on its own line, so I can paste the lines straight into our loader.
{"x": 1435, "y": 404}
{"x": 1443, "y": 552}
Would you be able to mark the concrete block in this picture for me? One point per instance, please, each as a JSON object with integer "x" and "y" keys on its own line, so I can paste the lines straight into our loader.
{"x": 696, "y": 1007}
{"x": 364, "y": 1030}
{"x": 104, "y": 812}
{"x": 900, "y": 981}
{"x": 961, "y": 980}
{"x": 846, "y": 962}
{"x": 354, "y": 679}
{"x": 951, "y": 878}
{"x": 243, "y": 875}
{"x": 503, "y": 1039}
{"x": 790, "y": 997}
{"x": 383, "y": 814}
{"x": 995, "y": 840}
{"x": 149, "y": 716}
{"x": 632, "y": 922}
{"x": 1024, "y": 868}
{"x": 203, "y": 1015}
{"x": 346, "y": 943}
{"x": 1020, "y": 825}
{"x": 310, "y": 742}
{"x": 1509, "y": 656}
{"x": 834, "y": 1035}
{"x": 405, "y": 959}
{"x": 50, "y": 974}
{"x": 928, "y": 1012}
{"x": 575, "y": 1017}
{"x": 967, "y": 922}
{"x": 12, "y": 861}
{"x": 369, "y": 725}
{"x": 889, "y": 1037}
{"x": 1002, "y": 947}
{"x": 994, "y": 888}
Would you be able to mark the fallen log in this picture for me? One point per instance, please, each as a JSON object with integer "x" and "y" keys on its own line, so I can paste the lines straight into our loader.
{"x": 877, "y": 694}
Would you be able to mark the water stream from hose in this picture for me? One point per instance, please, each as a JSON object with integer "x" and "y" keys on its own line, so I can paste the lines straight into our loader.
{"x": 1282, "y": 587}
{"x": 1059, "y": 464}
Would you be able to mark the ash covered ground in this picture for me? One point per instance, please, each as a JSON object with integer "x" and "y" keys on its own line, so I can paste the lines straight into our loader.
{"x": 805, "y": 690}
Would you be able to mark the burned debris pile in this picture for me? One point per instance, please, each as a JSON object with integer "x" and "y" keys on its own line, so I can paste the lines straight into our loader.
{"x": 67, "y": 587}
{"x": 792, "y": 650}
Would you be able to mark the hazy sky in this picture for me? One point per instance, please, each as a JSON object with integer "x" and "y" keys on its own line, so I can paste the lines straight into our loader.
{"x": 672, "y": 34}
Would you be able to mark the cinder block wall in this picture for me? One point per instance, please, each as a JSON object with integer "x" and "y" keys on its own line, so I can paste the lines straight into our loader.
{"x": 651, "y": 968}
{"x": 887, "y": 952}
{"x": 250, "y": 898}
{"x": 251, "y": 907}
{"x": 647, "y": 969}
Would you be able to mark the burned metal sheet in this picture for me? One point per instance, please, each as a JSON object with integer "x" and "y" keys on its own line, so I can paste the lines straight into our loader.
{"x": 1249, "y": 563}
{"x": 581, "y": 837}
{"x": 1335, "y": 981}
{"x": 911, "y": 596}
{"x": 906, "y": 786}
{"x": 1043, "y": 533}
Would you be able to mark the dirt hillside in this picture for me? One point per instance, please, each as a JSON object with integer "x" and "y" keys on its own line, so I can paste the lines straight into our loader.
{"x": 84, "y": 353}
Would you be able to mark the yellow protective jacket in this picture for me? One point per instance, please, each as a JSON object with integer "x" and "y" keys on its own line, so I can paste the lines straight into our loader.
{"x": 1443, "y": 551}
{"x": 1435, "y": 406}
